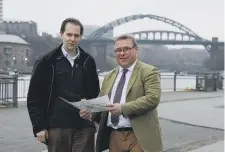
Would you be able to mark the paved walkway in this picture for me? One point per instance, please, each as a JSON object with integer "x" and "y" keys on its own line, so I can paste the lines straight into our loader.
{"x": 16, "y": 131}
{"x": 171, "y": 96}
{"x": 199, "y": 109}
{"x": 215, "y": 147}
{"x": 201, "y": 112}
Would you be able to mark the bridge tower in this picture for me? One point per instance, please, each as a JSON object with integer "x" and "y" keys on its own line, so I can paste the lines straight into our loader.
{"x": 217, "y": 55}
{"x": 101, "y": 56}
{"x": 98, "y": 50}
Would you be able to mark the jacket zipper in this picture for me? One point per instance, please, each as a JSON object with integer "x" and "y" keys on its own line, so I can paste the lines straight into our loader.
{"x": 86, "y": 71}
{"x": 72, "y": 74}
{"x": 50, "y": 95}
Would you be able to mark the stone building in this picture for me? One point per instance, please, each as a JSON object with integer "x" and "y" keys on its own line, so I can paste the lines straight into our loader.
{"x": 24, "y": 29}
{"x": 14, "y": 53}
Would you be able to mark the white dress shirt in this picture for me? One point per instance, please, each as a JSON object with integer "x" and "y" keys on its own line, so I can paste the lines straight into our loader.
{"x": 69, "y": 57}
{"x": 123, "y": 122}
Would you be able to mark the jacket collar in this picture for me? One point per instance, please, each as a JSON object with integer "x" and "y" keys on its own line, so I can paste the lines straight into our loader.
{"x": 57, "y": 53}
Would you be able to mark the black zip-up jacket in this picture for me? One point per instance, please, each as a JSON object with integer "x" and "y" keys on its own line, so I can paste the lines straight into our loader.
{"x": 41, "y": 83}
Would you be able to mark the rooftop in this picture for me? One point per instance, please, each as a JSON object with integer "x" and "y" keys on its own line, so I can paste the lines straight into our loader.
{"x": 12, "y": 39}
{"x": 18, "y": 21}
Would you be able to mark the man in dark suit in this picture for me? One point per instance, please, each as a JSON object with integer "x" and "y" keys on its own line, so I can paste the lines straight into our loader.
{"x": 68, "y": 72}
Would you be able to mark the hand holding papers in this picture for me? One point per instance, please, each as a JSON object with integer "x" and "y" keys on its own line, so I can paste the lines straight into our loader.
{"x": 98, "y": 104}
{"x": 85, "y": 114}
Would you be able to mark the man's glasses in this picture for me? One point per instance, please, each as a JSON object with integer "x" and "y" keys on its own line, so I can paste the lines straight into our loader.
{"x": 124, "y": 50}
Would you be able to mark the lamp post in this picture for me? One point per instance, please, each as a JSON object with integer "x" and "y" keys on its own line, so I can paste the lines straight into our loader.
{"x": 25, "y": 64}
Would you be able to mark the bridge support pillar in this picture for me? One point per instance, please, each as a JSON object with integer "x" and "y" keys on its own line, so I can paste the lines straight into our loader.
{"x": 85, "y": 46}
{"x": 217, "y": 55}
{"x": 101, "y": 49}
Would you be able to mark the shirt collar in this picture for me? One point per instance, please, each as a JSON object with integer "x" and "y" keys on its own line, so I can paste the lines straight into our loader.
{"x": 68, "y": 55}
{"x": 131, "y": 68}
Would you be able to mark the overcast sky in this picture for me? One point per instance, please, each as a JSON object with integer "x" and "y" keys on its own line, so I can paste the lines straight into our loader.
{"x": 204, "y": 17}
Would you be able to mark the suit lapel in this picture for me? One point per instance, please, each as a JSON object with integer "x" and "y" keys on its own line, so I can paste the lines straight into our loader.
{"x": 133, "y": 77}
{"x": 111, "y": 81}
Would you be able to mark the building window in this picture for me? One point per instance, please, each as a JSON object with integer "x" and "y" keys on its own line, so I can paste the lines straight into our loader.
{"x": 27, "y": 52}
{"x": 7, "y": 51}
{"x": 14, "y": 60}
{"x": 1, "y": 56}
{"x": 22, "y": 60}
{"x": 7, "y": 62}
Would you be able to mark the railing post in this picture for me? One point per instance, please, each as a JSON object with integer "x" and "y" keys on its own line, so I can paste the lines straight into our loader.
{"x": 197, "y": 86}
{"x": 219, "y": 81}
{"x": 1, "y": 95}
{"x": 206, "y": 81}
{"x": 175, "y": 81}
{"x": 15, "y": 91}
{"x": 215, "y": 81}
{"x": 222, "y": 78}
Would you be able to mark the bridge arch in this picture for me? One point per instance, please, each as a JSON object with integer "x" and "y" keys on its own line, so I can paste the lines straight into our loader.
{"x": 99, "y": 32}
{"x": 163, "y": 35}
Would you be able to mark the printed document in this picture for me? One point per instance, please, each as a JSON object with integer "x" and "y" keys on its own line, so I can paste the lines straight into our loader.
{"x": 94, "y": 105}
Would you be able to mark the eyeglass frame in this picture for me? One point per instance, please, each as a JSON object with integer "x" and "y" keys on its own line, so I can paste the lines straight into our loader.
{"x": 122, "y": 50}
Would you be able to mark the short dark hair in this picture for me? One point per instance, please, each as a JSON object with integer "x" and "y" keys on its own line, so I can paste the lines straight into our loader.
{"x": 73, "y": 21}
{"x": 126, "y": 36}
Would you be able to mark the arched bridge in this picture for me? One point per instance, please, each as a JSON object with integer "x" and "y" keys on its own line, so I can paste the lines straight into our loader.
{"x": 193, "y": 38}
{"x": 163, "y": 35}
{"x": 184, "y": 36}
{"x": 110, "y": 26}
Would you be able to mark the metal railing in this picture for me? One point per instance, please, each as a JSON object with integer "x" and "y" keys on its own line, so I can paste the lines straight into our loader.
{"x": 23, "y": 84}
{"x": 8, "y": 91}
{"x": 13, "y": 89}
{"x": 176, "y": 82}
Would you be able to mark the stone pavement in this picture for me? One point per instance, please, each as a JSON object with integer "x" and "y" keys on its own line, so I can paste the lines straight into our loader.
{"x": 207, "y": 112}
{"x": 202, "y": 112}
{"x": 189, "y": 95}
{"x": 16, "y": 131}
{"x": 215, "y": 147}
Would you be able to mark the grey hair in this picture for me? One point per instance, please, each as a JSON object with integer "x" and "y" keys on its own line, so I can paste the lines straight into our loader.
{"x": 124, "y": 37}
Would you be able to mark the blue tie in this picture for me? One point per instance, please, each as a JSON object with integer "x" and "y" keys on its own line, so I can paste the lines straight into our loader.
{"x": 118, "y": 94}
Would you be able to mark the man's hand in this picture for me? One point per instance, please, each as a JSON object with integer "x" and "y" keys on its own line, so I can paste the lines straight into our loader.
{"x": 115, "y": 109}
{"x": 85, "y": 114}
{"x": 42, "y": 136}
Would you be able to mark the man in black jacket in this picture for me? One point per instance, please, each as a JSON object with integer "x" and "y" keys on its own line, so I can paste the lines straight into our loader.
{"x": 70, "y": 73}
